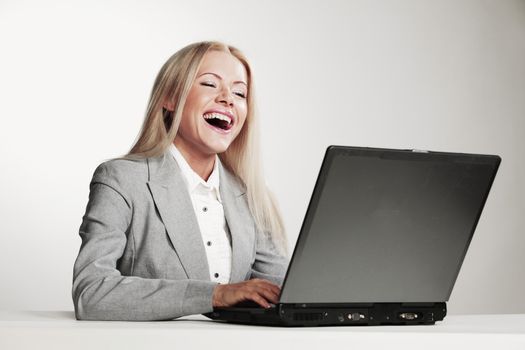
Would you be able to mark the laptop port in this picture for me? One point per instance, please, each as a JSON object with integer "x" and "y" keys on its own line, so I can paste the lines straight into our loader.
{"x": 409, "y": 316}
{"x": 355, "y": 316}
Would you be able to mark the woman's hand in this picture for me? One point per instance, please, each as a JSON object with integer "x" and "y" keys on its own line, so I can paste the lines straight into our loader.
{"x": 258, "y": 290}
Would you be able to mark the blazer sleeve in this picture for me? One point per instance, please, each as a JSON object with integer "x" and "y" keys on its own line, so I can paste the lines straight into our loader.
{"x": 269, "y": 263}
{"x": 99, "y": 291}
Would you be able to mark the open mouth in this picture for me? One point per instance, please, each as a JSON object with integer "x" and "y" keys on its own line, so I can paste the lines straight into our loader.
{"x": 219, "y": 120}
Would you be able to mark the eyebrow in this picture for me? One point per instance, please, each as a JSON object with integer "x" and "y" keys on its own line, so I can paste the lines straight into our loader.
{"x": 218, "y": 76}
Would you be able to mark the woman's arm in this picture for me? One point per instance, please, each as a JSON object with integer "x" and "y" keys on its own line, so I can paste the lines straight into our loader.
{"x": 100, "y": 292}
{"x": 269, "y": 263}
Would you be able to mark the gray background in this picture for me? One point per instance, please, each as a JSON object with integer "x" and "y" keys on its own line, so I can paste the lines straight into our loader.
{"x": 441, "y": 75}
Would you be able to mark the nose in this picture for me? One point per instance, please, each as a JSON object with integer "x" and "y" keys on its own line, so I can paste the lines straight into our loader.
{"x": 225, "y": 97}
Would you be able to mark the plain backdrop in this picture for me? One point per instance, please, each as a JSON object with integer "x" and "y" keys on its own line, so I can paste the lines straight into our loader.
{"x": 75, "y": 78}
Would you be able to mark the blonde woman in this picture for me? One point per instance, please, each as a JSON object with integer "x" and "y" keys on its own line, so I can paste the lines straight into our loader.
{"x": 184, "y": 222}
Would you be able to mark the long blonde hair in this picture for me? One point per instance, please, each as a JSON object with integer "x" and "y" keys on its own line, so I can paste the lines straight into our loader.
{"x": 242, "y": 158}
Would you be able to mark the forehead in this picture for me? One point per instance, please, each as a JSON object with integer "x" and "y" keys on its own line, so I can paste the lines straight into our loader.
{"x": 224, "y": 64}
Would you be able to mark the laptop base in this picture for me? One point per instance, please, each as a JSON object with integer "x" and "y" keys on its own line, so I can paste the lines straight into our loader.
{"x": 308, "y": 315}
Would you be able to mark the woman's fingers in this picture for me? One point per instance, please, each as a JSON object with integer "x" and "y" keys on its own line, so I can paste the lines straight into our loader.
{"x": 258, "y": 290}
{"x": 262, "y": 294}
{"x": 268, "y": 290}
{"x": 268, "y": 285}
{"x": 270, "y": 296}
{"x": 259, "y": 300}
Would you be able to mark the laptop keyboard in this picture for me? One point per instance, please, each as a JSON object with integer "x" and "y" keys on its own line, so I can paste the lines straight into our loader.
{"x": 251, "y": 304}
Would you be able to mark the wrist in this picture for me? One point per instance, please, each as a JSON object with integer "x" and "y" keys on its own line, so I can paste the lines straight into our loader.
{"x": 217, "y": 296}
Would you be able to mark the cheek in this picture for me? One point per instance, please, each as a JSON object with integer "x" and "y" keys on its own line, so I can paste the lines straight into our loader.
{"x": 242, "y": 113}
{"x": 190, "y": 111}
{"x": 195, "y": 101}
{"x": 242, "y": 121}
{"x": 186, "y": 119}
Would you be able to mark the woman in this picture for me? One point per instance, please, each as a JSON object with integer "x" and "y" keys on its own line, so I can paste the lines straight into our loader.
{"x": 184, "y": 222}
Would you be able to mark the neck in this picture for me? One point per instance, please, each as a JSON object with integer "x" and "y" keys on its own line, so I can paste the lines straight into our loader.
{"x": 201, "y": 163}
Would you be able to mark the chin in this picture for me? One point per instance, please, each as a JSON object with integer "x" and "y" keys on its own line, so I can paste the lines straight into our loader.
{"x": 218, "y": 148}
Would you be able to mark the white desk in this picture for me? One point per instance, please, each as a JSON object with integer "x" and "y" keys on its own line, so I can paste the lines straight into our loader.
{"x": 60, "y": 330}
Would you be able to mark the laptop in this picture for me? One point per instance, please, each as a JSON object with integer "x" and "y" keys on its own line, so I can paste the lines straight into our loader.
{"x": 382, "y": 241}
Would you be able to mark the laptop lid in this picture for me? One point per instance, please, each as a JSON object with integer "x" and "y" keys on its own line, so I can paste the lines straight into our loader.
{"x": 387, "y": 225}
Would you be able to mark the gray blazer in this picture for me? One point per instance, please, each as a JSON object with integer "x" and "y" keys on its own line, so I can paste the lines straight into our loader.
{"x": 142, "y": 255}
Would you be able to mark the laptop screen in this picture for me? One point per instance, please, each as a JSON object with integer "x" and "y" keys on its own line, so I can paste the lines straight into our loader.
{"x": 387, "y": 226}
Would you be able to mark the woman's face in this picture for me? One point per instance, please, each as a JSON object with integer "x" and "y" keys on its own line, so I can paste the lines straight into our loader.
{"x": 216, "y": 106}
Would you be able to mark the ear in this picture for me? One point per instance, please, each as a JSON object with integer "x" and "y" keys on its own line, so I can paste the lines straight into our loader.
{"x": 169, "y": 105}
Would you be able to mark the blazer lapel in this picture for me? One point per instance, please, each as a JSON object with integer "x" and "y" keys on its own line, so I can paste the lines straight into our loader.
{"x": 174, "y": 204}
{"x": 239, "y": 221}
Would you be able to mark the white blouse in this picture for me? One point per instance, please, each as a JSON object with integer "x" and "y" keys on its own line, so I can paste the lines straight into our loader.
{"x": 207, "y": 203}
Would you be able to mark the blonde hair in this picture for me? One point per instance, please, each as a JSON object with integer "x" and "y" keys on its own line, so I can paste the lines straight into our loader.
{"x": 242, "y": 158}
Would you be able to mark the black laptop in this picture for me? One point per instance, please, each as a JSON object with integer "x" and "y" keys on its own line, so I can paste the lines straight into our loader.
{"x": 382, "y": 241}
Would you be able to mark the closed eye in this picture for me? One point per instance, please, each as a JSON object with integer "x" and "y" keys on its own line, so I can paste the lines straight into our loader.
{"x": 208, "y": 83}
{"x": 212, "y": 85}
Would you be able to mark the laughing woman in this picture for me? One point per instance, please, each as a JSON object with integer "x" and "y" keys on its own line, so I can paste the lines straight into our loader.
{"x": 184, "y": 221}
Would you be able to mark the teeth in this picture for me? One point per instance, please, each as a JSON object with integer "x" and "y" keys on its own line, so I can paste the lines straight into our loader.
{"x": 218, "y": 116}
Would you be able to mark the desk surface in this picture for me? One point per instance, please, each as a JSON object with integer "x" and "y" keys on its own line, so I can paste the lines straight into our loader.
{"x": 60, "y": 330}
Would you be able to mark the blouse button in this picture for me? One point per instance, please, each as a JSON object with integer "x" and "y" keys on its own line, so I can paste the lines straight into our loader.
{"x": 205, "y": 209}
{"x": 208, "y": 243}
{"x": 216, "y": 275}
